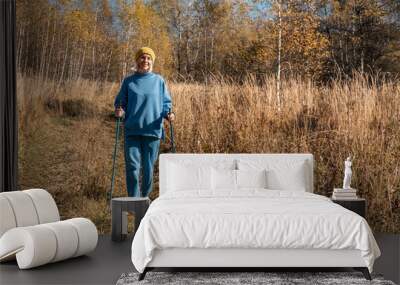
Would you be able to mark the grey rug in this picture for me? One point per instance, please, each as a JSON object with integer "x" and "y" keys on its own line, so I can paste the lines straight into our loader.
{"x": 243, "y": 278}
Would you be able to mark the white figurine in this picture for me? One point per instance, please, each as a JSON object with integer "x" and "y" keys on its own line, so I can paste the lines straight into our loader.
{"x": 347, "y": 173}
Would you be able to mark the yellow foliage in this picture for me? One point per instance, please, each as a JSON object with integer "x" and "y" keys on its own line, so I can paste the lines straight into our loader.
{"x": 304, "y": 48}
{"x": 142, "y": 26}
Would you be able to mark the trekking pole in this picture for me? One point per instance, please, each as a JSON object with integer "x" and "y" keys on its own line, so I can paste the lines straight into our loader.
{"x": 110, "y": 193}
{"x": 171, "y": 131}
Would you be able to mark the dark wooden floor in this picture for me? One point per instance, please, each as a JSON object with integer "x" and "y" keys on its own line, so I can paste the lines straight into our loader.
{"x": 110, "y": 260}
{"x": 103, "y": 266}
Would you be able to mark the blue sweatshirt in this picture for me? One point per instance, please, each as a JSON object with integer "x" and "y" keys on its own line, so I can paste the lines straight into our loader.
{"x": 146, "y": 101}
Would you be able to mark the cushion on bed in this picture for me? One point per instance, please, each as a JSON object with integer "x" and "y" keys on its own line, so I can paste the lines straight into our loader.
{"x": 185, "y": 173}
{"x": 284, "y": 170}
{"x": 182, "y": 177}
{"x": 281, "y": 174}
{"x": 251, "y": 178}
{"x": 223, "y": 179}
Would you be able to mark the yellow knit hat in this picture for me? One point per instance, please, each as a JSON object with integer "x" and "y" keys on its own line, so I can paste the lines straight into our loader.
{"x": 145, "y": 50}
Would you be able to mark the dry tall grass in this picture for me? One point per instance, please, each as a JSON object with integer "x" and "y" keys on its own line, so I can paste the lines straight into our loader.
{"x": 67, "y": 134}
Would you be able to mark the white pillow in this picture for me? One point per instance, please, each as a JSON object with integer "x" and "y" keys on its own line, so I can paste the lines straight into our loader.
{"x": 223, "y": 179}
{"x": 251, "y": 178}
{"x": 291, "y": 175}
{"x": 182, "y": 177}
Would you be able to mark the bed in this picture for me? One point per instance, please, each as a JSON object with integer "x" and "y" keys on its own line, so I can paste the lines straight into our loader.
{"x": 247, "y": 210}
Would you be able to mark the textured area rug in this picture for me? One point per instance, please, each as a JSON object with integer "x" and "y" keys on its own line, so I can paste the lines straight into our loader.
{"x": 242, "y": 278}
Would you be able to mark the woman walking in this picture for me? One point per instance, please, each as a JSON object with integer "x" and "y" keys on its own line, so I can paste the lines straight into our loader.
{"x": 145, "y": 100}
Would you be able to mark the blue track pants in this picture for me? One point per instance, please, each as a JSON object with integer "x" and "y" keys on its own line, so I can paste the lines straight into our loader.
{"x": 140, "y": 152}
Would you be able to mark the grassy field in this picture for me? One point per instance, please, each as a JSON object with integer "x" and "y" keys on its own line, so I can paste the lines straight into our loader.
{"x": 67, "y": 135}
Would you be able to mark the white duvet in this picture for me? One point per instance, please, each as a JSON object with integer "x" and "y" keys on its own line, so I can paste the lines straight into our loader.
{"x": 251, "y": 218}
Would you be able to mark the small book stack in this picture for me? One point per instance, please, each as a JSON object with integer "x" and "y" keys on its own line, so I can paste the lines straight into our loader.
{"x": 344, "y": 194}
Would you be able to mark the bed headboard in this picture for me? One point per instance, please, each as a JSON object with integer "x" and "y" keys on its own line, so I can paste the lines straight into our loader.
{"x": 237, "y": 161}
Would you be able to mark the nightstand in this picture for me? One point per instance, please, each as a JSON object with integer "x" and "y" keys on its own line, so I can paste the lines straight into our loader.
{"x": 358, "y": 205}
{"x": 119, "y": 214}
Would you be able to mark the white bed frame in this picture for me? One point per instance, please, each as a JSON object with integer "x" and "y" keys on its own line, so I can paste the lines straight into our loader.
{"x": 246, "y": 258}
{"x": 234, "y": 257}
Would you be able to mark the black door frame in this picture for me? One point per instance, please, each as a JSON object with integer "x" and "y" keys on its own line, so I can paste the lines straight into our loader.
{"x": 8, "y": 98}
